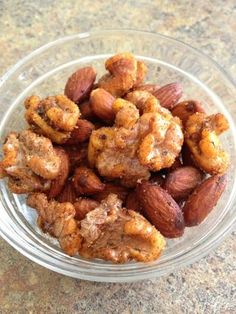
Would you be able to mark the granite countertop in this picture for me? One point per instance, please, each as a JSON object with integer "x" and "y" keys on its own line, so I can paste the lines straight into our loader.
{"x": 208, "y": 286}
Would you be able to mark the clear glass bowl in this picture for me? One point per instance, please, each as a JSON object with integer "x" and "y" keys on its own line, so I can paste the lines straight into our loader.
{"x": 45, "y": 71}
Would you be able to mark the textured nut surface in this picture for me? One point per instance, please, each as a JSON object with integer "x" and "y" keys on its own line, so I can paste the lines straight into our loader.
{"x": 186, "y": 108}
{"x": 58, "y": 183}
{"x": 86, "y": 182}
{"x": 101, "y": 103}
{"x": 169, "y": 95}
{"x": 202, "y": 137}
{"x": 161, "y": 209}
{"x": 182, "y": 181}
{"x": 204, "y": 198}
{"x": 80, "y": 84}
{"x": 83, "y": 206}
{"x": 81, "y": 132}
{"x": 54, "y": 116}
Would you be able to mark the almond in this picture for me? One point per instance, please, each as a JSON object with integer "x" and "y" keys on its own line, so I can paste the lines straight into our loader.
{"x": 132, "y": 202}
{"x": 204, "y": 198}
{"x": 112, "y": 188}
{"x": 58, "y": 183}
{"x": 86, "y": 182}
{"x": 185, "y": 109}
{"x": 80, "y": 84}
{"x": 169, "y": 95}
{"x": 83, "y": 206}
{"x": 182, "y": 181}
{"x": 81, "y": 132}
{"x": 101, "y": 103}
{"x": 151, "y": 88}
{"x": 86, "y": 111}
{"x": 67, "y": 194}
{"x": 161, "y": 209}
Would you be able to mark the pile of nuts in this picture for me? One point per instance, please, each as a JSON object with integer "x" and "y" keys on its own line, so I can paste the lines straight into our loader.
{"x": 115, "y": 166}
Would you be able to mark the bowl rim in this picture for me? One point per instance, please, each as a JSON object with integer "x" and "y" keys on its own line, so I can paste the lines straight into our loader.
{"x": 209, "y": 244}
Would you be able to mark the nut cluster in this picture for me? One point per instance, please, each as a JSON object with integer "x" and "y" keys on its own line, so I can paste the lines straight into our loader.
{"x": 115, "y": 166}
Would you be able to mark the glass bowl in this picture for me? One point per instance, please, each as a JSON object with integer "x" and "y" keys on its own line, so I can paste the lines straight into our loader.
{"x": 45, "y": 71}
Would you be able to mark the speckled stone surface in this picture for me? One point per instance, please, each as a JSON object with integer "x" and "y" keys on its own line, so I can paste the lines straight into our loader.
{"x": 208, "y": 286}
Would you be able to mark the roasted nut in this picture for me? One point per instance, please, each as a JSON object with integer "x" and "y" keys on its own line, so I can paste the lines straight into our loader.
{"x": 101, "y": 103}
{"x": 81, "y": 132}
{"x": 86, "y": 182}
{"x": 169, "y": 95}
{"x": 125, "y": 72}
{"x": 67, "y": 194}
{"x": 57, "y": 219}
{"x": 86, "y": 111}
{"x": 186, "y": 108}
{"x": 132, "y": 202}
{"x": 112, "y": 188}
{"x": 182, "y": 181}
{"x": 58, "y": 183}
{"x": 80, "y": 84}
{"x": 201, "y": 202}
{"x": 161, "y": 209}
{"x": 54, "y": 116}
{"x": 119, "y": 235}
{"x": 202, "y": 137}
{"x": 83, "y": 206}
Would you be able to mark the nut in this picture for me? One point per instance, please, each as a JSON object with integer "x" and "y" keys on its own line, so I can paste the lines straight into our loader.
{"x": 67, "y": 194}
{"x": 203, "y": 200}
{"x": 81, "y": 132}
{"x": 169, "y": 95}
{"x": 86, "y": 111}
{"x": 161, "y": 209}
{"x": 101, "y": 103}
{"x": 83, "y": 206}
{"x": 132, "y": 202}
{"x": 58, "y": 183}
{"x": 112, "y": 188}
{"x": 80, "y": 84}
{"x": 182, "y": 181}
{"x": 86, "y": 182}
{"x": 185, "y": 109}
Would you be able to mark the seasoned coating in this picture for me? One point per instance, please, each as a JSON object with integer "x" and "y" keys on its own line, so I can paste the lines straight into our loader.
{"x": 54, "y": 116}
{"x": 202, "y": 137}
{"x": 119, "y": 235}
{"x": 29, "y": 161}
{"x": 58, "y": 220}
{"x": 125, "y": 72}
{"x": 40, "y": 155}
{"x": 136, "y": 144}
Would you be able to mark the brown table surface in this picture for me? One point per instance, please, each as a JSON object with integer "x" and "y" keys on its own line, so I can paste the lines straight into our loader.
{"x": 208, "y": 286}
